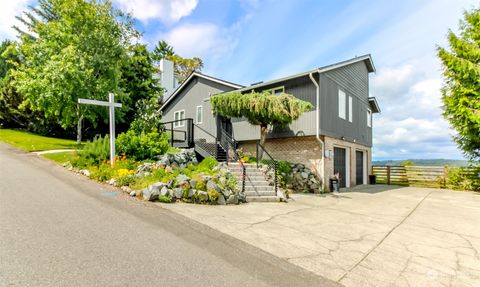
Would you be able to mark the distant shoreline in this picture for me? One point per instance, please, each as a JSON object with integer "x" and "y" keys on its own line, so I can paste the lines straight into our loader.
{"x": 424, "y": 162}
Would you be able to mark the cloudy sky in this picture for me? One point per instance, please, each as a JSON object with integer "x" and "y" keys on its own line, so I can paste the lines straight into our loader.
{"x": 247, "y": 41}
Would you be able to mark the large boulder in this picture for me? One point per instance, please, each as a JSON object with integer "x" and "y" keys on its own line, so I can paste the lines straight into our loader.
{"x": 152, "y": 192}
{"x": 178, "y": 193}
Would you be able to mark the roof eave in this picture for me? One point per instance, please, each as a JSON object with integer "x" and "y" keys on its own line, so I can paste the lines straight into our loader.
{"x": 374, "y": 106}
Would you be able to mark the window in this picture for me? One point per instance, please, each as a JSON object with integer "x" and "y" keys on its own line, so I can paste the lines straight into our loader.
{"x": 350, "y": 109}
{"x": 179, "y": 115}
{"x": 276, "y": 91}
{"x": 369, "y": 118}
{"x": 342, "y": 105}
{"x": 199, "y": 114}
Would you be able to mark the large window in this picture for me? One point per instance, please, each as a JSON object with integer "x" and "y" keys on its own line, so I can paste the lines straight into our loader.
{"x": 369, "y": 118}
{"x": 199, "y": 114}
{"x": 178, "y": 116}
{"x": 350, "y": 109}
{"x": 342, "y": 105}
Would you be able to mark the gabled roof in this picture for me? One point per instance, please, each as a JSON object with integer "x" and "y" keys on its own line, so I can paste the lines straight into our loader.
{"x": 366, "y": 58}
{"x": 200, "y": 75}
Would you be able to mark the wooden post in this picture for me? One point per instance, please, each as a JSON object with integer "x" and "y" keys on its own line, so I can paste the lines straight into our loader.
{"x": 388, "y": 174}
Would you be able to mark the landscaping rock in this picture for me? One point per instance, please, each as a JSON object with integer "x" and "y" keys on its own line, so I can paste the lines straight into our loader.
{"x": 133, "y": 193}
{"x": 221, "y": 200}
{"x": 242, "y": 197}
{"x": 213, "y": 185}
{"x": 232, "y": 199}
{"x": 227, "y": 192}
{"x": 85, "y": 172}
{"x": 164, "y": 191}
{"x": 178, "y": 193}
{"x": 202, "y": 196}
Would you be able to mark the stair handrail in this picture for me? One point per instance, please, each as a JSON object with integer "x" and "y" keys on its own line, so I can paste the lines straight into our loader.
{"x": 232, "y": 144}
{"x": 271, "y": 162}
{"x": 172, "y": 129}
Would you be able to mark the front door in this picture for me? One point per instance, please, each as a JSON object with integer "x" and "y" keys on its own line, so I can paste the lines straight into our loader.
{"x": 359, "y": 167}
{"x": 340, "y": 164}
{"x": 224, "y": 124}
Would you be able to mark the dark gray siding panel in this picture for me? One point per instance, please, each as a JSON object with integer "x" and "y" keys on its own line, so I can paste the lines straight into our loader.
{"x": 353, "y": 80}
{"x": 196, "y": 93}
{"x": 301, "y": 88}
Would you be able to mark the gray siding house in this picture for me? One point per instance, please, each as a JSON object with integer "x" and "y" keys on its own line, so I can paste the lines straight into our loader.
{"x": 334, "y": 137}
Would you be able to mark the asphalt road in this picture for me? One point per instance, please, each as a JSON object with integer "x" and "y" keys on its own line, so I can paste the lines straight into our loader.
{"x": 61, "y": 229}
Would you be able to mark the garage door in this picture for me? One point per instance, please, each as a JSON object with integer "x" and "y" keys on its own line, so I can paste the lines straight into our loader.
{"x": 340, "y": 164}
{"x": 359, "y": 167}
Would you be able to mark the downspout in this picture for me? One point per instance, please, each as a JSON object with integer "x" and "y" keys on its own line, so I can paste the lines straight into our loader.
{"x": 317, "y": 130}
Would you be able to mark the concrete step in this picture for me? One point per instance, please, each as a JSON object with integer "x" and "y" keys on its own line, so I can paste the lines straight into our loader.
{"x": 249, "y": 172}
{"x": 250, "y": 178}
{"x": 258, "y": 188}
{"x": 262, "y": 199}
{"x": 259, "y": 193}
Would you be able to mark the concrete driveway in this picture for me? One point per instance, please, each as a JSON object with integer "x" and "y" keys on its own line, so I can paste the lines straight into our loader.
{"x": 368, "y": 236}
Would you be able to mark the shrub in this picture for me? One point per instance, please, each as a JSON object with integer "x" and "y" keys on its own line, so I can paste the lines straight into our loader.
{"x": 207, "y": 165}
{"x": 143, "y": 146}
{"x": 464, "y": 178}
{"x": 94, "y": 152}
{"x": 165, "y": 198}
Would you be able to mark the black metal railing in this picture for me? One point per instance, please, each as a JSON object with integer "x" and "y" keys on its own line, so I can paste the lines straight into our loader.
{"x": 179, "y": 131}
{"x": 229, "y": 144}
{"x": 272, "y": 164}
{"x": 205, "y": 140}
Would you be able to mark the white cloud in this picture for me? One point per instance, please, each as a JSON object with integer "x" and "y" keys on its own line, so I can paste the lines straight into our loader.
{"x": 9, "y": 10}
{"x": 167, "y": 11}
{"x": 205, "y": 40}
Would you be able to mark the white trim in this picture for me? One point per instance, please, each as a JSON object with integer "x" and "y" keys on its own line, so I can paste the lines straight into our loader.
{"x": 196, "y": 114}
{"x": 342, "y": 104}
{"x": 175, "y": 93}
{"x": 350, "y": 109}
{"x": 179, "y": 124}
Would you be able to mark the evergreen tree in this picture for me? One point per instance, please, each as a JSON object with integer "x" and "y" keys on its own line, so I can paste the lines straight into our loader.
{"x": 461, "y": 89}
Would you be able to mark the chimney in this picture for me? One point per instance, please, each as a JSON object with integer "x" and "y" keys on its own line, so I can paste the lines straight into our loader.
{"x": 167, "y": 77}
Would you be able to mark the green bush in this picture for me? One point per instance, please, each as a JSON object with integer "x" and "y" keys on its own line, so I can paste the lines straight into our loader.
{"x": 94, "y": 152}
{"x": 165, "y": 198}
{"x": 464, "y": 178}
{"x": 143, "y": 146}
{"x": 207, "y": 165}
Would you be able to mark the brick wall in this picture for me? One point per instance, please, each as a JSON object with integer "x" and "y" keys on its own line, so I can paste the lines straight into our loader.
{"x": 307, "y": 150}
{"x": 351, "y": 148}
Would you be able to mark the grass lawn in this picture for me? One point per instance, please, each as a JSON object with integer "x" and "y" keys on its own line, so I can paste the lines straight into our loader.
{"x": 60, "y": 157}
{"x": 32, "y": 142}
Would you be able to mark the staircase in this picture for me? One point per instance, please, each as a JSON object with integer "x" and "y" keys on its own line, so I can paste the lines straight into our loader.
{"x": 257, "y": 188}
{"x": 205, "y": 149}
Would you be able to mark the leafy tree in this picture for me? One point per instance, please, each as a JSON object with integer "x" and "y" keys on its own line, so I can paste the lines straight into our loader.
{"x": 139, "y": 83}
{"x": 407, "y": 163}
{"x": 461, "y": 89}
{"x": 183, "y": 67}
{"x": 78, "y": 52}
{"x": 261, "y": 109}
